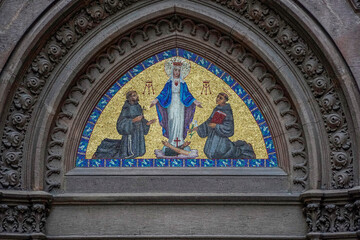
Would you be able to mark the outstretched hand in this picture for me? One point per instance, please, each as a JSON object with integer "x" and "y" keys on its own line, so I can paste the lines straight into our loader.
{"x": 166, "y": 143}
{"x": 212, "y": 125}
{"x": 154, "y": 102}
{"x": 193, "y": 130}
{"x": 197, "y": 103}
{"x": 151, "y": 122}
{"x": 137, "y": 119}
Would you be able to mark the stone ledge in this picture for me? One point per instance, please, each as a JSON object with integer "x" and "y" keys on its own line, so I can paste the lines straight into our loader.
{"x": 176, "y": 172}
{"x": 338, "y": 235}
{"x": 22, "y": 236}
{"x": 173, "y": 198}
{"x": 6, "y": 195}
{"x": 318, "y": 194}
{"x": 164, "y": 237}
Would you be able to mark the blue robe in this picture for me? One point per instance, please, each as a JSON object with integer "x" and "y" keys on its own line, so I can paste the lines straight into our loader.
{"x": 164, "y": 100}
{"x": 218, "y": 144}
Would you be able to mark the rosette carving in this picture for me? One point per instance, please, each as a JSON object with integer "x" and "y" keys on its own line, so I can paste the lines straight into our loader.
{"x": 42, "y": 65}
{"x": 333, "y": 121}
{"x": 312, "y": 67}
{"x": 238, "y": 5}
{"x": 12, "y": 158}
{"x": 9, "y": 177}
{"x": 339, "y": 159}
{"x": 18, "y": 120}
{"x": 330, "y": 102}
{"x": 340, "y": 139}
{"x": 111, "y": 6}
{"x": 270, "y": 25}
{"x": 96, "y": 12}
{"x": 33, "y": 83}
{"x": 297, "y": 52}
{"x": 67, "y": 35}
{"x": 257, "y": 12}
{"x": 55, "y": 51}
{"x": 319, "y": 85}
{"x": 12, "y": 138}
{"x": 286, "y": 37}
{"x": 23, "y": 100}
{"x": 82, "y": 23}
{"x": 342, "y": 179}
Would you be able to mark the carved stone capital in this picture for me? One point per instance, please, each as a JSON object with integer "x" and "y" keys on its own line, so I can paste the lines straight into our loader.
{"x": 332, "y": 214}
{"x": 23, "y": 214}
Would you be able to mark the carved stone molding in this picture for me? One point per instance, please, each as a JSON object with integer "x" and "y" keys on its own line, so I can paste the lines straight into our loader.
{"x": 23, "y": 214}
{"x": 255, "y": 12}
{"x": 335, "y": 214}
{"x": 356, "y": 5}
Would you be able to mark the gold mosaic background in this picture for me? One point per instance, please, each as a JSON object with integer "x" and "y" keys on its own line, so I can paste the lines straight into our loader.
{"x": 246, "y": 127}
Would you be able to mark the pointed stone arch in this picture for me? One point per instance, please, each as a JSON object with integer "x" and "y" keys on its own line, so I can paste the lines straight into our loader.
{"x": 293, "y": 71}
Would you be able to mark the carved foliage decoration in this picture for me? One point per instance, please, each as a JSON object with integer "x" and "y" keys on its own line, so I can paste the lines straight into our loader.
{"x": 258, "y": 13}
{"x": 23, "y": 218}
{"x": 332, "y": 217}
{"x": 317, "y": 78}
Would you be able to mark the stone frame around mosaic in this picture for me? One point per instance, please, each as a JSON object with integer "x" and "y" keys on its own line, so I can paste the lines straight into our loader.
{"x": 271, "y": 161}
{"x": 94, "y": 71}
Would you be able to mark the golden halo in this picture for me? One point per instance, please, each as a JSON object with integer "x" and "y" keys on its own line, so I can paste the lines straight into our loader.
{"x": 185, "y": 68}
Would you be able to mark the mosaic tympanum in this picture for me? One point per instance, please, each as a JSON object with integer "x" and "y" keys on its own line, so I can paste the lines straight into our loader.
{"x": 176, "y": 109}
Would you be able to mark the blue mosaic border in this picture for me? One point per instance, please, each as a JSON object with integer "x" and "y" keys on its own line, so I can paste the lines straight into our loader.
{"x": 81, "y": 161}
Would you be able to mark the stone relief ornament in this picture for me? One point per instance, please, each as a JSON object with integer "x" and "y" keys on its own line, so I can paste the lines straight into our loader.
{"x": 333, "y": 217}
{"x": 23, "y": 218}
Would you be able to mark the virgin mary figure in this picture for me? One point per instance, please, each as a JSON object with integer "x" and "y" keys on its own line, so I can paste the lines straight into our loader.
{"x": 175, "y": 104}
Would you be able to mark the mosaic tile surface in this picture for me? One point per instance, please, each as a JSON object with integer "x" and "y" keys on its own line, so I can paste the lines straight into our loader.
{"x": 205, "y": 80}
